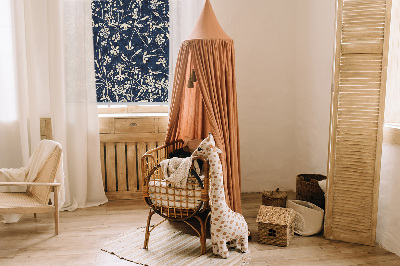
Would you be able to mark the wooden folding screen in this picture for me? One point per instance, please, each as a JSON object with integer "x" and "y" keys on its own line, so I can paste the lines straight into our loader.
{"x": 358, "y": 96}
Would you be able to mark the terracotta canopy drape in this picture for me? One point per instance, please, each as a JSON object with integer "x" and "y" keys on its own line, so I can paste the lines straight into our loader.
{"x": 211, "y": 106}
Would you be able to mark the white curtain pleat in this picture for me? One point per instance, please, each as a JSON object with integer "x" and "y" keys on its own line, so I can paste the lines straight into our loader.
{"x": 183, "y": 15}
{"x": 10, "y": 146}
{"x": 55, "y": 78}
{"x": 32, "y": 69}
{"x": 14, "y": 118}
{"x": 79, "y": 128}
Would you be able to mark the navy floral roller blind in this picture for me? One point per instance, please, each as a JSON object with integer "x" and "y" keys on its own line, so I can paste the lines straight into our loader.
{"x": 131, "y": 43}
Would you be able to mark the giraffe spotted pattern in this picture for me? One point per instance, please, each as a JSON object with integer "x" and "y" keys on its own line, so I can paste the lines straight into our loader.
{"x": 226, "y": 225}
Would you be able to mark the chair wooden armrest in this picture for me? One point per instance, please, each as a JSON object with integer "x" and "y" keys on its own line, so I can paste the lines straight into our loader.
{"x": 29, "y": 184}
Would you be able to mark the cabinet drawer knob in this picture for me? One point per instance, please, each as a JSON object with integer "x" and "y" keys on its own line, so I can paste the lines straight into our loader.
{"x": 133, "y": 124}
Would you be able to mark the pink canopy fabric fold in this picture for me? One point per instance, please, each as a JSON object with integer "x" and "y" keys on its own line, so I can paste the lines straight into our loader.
{"x": 211, "y": 106}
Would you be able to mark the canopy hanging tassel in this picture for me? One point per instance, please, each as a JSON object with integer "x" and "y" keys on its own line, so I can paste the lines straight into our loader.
{"x": 193, "y": 76}
{"x": 190, "y": 83}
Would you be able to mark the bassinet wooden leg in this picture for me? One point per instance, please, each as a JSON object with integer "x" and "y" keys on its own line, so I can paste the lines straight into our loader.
{"x": 203, "y": 236}
{"x": 147, "y": 235}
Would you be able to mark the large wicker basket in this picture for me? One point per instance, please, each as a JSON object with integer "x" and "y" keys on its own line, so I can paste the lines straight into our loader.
{"x": 274, "y": 198}
{"x": 308, "y": 189}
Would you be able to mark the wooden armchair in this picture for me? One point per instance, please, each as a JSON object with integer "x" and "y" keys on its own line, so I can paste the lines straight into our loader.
{"x": 36, "y": 197}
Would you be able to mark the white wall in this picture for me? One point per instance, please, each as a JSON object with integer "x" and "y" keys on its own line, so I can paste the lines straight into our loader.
{"x": 264, "y": 35}
{"x": 314, "y": 60}
{"x": 388, "y": 227}
{"x": 284, "y": 52}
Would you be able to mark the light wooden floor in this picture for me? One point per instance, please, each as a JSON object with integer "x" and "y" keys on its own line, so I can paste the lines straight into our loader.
{"x": 83, "y": 232}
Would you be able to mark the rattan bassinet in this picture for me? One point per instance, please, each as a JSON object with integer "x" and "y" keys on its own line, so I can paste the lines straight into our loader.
{"x": 170, "y": 202}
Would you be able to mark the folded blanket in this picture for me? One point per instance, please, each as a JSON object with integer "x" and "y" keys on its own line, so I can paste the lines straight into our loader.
{"x": 36, "y": 162}
{"x": 176, "y": 170}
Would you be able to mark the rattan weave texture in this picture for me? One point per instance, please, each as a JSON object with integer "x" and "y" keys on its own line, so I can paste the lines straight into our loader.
{"x": 46, "y": 175}
{"x": 16, "y": 199}
{"x": 275, "y": 225}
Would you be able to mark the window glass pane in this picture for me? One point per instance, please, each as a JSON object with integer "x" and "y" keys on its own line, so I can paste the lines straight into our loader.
{"x": 131, "y": 46}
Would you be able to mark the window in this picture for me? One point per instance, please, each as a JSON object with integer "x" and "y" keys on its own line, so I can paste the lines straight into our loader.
{"x": 131, "y": 50}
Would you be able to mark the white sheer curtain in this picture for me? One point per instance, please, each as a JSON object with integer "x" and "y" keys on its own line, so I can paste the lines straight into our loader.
{"x": 10, "y": 147}
{"x": 55, "y": 78}
{"x": 79, "y": 129}
{"x": 183, "y": 15}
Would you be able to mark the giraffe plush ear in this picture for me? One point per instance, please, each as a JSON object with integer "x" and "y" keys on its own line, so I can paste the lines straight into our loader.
{"x": 216, "y": 149}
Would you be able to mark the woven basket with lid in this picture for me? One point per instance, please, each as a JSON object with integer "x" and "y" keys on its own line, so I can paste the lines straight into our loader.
{"x": 274, "y": 198}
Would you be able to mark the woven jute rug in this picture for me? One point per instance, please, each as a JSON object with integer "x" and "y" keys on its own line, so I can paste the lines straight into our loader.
{"x": 168, "y": 247}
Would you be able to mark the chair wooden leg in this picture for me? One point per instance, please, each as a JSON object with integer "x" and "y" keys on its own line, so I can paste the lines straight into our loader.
{"x": 147, "y": 235}
{"x": 56, "y": 211}
{"x": 34, "y": 215}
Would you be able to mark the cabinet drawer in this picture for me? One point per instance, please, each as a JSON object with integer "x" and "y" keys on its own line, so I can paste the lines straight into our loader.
{"x": 162, "y": 124}
{"x": 134, "y": 125}
{"x": 106, "y": 125}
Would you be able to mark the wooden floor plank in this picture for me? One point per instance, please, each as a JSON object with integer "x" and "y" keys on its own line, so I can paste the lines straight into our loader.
{"x": 82, "y": 233}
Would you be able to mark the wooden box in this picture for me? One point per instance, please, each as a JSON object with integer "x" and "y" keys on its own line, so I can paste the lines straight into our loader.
{"x": 275, "y": 225}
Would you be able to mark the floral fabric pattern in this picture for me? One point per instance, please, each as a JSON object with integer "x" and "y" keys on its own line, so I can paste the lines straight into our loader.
{"x": 131, "y": 46}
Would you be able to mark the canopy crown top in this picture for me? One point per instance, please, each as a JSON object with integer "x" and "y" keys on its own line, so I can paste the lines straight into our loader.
{"x": 207, "y": 26}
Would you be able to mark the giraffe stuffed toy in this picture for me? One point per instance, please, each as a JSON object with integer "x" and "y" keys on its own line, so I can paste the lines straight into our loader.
{"x": 226, "y": 225}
